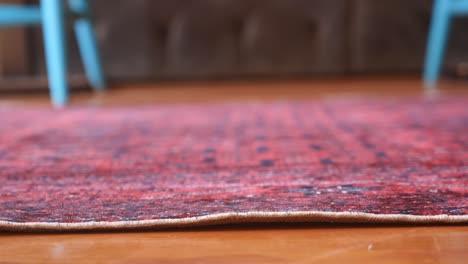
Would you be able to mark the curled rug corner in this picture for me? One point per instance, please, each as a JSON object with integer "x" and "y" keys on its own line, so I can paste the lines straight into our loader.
{"x": 398, "y": 161}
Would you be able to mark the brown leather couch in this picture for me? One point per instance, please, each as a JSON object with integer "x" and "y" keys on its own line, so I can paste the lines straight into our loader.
{"x": 182, "y": 39}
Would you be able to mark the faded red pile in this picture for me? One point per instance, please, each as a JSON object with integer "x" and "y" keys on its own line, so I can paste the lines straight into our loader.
{"x": 363, "y": 160}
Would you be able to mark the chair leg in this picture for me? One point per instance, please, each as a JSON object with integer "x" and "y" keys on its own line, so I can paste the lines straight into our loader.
{"x": 87, "y": 43}
{"x": 438, "y": 34}
{"x": 55, "y": 49}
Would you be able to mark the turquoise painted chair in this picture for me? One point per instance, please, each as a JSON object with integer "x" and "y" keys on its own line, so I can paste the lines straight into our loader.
{"x": 443, "y": 12}
{"x": 51, "y": 14}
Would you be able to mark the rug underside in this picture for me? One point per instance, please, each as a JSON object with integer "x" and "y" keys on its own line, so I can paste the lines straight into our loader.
{"x": 397, "y": 161}
{"x": 239, "y": 218}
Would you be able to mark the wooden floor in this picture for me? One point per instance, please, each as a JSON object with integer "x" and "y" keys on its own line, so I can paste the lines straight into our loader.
{"x": 252, "y": 243}
{"x": 131, "y": 94}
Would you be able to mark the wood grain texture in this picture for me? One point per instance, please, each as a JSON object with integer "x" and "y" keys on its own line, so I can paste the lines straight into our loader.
{"x": 252, "y": 243}
{"x": 214, "y": 91}
{"x": 256, "y": 244}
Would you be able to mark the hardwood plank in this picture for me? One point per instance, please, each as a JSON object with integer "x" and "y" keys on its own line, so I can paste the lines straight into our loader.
{"x": 215, "y": 91}
{"x": 257, "y": 244}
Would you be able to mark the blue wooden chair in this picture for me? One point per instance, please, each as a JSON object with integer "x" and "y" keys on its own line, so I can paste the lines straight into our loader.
{"x": 443, "y": 12}
{"x": 52, "y": 15}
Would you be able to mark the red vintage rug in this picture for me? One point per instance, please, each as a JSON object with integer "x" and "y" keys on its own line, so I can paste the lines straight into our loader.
{"x": 360, "y": 160}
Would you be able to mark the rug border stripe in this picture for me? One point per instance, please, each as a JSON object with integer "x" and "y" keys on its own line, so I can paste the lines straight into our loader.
{"x": 233, "y": 218}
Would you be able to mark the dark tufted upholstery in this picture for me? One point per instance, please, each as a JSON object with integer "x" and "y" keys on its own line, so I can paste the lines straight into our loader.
{"x": 232, "y": 38}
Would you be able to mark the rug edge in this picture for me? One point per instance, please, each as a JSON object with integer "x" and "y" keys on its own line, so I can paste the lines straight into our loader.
{"x": 235, "y": 218}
